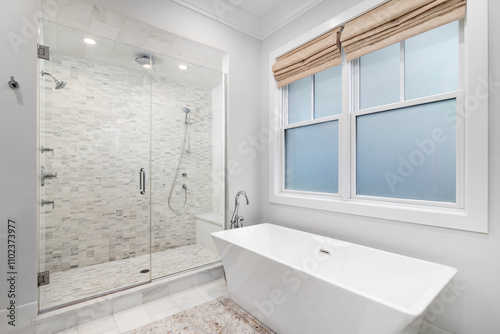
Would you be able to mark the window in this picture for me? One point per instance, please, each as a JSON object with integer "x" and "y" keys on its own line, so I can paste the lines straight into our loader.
{"x": 404, "y": 116}
{"x": 312, "y": 132}
{"x": 398, "y": 134}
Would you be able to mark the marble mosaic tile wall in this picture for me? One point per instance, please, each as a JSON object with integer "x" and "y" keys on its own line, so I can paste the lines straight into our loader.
{"x": 99, "y": 126}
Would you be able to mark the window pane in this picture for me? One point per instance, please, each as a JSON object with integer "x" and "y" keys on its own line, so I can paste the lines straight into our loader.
{"x": 299, "y": 100}
{"x": 328, "y": 92}
{"x": 408, "y": 153}
{"x": 379, "y": 74}
{"x": 431, "y": 62}
{"x": 311, "y": 158}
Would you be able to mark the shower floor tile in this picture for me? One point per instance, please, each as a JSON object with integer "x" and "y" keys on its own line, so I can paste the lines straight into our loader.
{"x": 80, "y": 283}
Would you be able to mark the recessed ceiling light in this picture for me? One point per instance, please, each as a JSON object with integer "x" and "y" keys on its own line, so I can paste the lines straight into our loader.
{"x": 183, "y": 67}
{"x": 89, "y": 41}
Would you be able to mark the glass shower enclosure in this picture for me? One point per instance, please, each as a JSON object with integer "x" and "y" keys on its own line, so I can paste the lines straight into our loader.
{"x": 131, "y": 154}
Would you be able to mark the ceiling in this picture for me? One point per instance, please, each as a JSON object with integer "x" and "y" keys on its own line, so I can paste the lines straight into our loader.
{"x": 121, "y": 39}
{"x": 257, "y": 18}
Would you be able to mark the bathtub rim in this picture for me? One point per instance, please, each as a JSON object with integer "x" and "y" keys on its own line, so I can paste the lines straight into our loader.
{"x": 418, "y": 309}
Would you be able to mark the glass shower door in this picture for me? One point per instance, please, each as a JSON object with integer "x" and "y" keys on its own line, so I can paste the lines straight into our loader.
{"x": 95, "y": 134}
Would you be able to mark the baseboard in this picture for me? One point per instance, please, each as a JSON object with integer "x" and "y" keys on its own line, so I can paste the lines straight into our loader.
{"x": 24, "y": 314}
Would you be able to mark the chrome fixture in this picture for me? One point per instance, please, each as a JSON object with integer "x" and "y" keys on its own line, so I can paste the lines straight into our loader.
{"x": 44, "y": 176}
{"x": 186, "y": 111}
{"x": 46, "y": 149}
{"x": 325, "y": 251}
{"x": 236, "y": 219}
{"x": 142, "y": 181}
{"x": 59, "y": 83}
{"x": 185, "y": 142}
{"x": 44, "y": 203}
{"x": 145, "y": 61}
{"x": 13, "y": 83}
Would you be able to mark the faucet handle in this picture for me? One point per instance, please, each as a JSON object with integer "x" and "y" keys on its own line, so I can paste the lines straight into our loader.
{"x": 240, "y": 221}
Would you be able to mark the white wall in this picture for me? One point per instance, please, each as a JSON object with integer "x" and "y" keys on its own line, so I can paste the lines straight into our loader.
{"x": 476, "y": 256}
{"x": 18, "y": 144}
{"x": 18, "y": 122}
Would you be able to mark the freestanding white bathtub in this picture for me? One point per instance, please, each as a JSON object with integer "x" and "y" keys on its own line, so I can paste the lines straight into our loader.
{"x": 297, "y": 282}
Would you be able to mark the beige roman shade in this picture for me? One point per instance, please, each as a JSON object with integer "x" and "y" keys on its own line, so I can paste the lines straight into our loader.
{"x": 313, "y": 57}
{"x": 396, "y": 21}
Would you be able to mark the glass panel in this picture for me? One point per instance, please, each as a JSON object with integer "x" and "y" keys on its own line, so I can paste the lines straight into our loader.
{"x": 408, "y": 153}
{"x": 96, "y": 237}
{"x": 328, "y": 92}
{"x": 431, "y": 62}
{"x": 311, "y": 158}
{"x": 188, "y": 165}
{"x": 113, "y": 118}
{"x": 379, "y": 74}
{"x": 299, "y": 100}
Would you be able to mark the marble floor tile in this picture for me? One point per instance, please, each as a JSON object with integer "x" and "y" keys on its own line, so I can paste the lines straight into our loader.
{"x": 212, "y": 290}
{"x": 105, "y": 325}
{"x": 188, "y": 299}
{"x": 162, "y": 308}
{"x": 73, "y": 330}
{"x": 131, "y": 319}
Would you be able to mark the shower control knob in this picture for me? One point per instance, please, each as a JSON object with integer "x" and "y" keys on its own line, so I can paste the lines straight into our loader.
{"x": 44, "y": 176}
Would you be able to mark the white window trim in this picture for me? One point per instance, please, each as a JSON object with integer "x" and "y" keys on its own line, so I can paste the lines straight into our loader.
{"x": 472, "y": 214}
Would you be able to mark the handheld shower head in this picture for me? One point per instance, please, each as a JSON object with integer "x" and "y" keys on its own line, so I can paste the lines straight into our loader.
{"x": 59, "y": 83}
{"x": 187, "y": 111}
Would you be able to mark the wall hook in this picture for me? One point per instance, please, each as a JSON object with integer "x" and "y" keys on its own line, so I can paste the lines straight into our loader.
{"x": 13, "y": 83}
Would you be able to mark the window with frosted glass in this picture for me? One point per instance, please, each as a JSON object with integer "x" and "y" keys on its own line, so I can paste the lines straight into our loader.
{"x": 299, "y": 100}
{"x": 408, "y": 153}
{"x": 328, "y": 92}
{"x": 431, "y": 62}
{"x": 379, "y": 77}
{"x": 311, "y": 158}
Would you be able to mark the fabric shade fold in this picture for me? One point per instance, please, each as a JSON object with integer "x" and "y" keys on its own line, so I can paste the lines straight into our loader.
{"x": 396, "y": 21}
{"x": 315, "y": 56}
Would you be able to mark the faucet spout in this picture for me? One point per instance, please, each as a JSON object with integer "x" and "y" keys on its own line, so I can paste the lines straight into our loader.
{"x": 241, "y": 192}
{"x": 235, "y": 218}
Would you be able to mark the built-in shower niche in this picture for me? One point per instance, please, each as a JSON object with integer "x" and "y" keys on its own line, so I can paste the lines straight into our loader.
{"x": 107, "y": 229}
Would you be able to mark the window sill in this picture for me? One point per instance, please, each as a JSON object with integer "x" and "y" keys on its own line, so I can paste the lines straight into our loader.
{"x": 445, "y": 217}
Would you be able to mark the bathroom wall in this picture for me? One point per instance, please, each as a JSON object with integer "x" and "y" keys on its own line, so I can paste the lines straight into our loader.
{"x": 99, "y": 127}
{"x": 18, "y": 152}
{"x": 18, "y": 123}
{"x": 218, "y": 146}
{"x": 474, "y": 305}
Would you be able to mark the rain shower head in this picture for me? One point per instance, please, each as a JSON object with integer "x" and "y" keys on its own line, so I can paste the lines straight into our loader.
{"x": 59, "y": 83}
{"x": 186, "y": 110}
{"x": 145, "y": 61}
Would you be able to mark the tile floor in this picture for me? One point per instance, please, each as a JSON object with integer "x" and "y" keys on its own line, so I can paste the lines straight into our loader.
{"x": 80, "y": 283}
{"x": 142, "y": 315}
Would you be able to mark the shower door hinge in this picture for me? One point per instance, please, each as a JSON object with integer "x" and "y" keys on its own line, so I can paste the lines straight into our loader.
{"x": 43, "y": 278}
{"x": 43, "y": 52}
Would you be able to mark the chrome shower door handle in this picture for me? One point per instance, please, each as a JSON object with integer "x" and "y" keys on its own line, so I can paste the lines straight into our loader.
{"x": 142, "y": 181}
